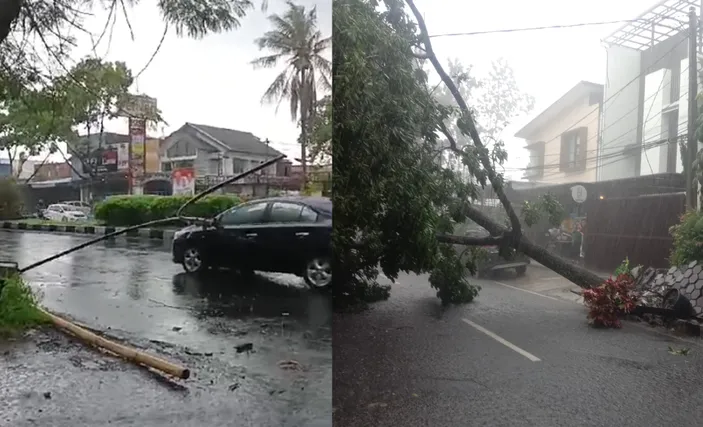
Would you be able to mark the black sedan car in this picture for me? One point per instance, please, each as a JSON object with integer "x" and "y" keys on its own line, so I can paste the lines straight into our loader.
{"x": 279, "y": 234}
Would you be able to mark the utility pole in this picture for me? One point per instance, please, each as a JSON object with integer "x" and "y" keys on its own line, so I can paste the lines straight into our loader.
{"x": 691, "y": 189}
{"x": 267, "y": 159}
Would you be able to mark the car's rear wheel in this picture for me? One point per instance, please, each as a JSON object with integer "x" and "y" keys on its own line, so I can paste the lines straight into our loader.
{"x": 521, "y": 270}
{"x": 318, "y": 272}
{"x": 193, "y": 261}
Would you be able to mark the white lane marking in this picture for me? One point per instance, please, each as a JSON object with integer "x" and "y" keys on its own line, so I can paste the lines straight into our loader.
{"x": 508, "y": 344}
{"x": 528, "y": 291}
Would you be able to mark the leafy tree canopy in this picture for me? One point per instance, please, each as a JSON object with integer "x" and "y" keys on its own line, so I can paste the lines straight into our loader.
{"x": 395, "y": 205}
{"x": 321, "y": 137}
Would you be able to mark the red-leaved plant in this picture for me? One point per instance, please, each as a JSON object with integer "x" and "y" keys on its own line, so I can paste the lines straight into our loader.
{"x": 615, "y": 297}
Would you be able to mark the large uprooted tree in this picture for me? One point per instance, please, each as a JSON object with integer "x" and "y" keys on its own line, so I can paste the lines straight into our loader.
{"x": 395, "y": 205}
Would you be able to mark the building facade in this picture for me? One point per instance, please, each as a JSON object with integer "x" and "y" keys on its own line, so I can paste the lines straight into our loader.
{"x": 645, "y": 112}
{"x": 563, "y": 140}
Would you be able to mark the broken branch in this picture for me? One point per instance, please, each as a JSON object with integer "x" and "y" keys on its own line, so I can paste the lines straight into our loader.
{"x": 466, "y": 124}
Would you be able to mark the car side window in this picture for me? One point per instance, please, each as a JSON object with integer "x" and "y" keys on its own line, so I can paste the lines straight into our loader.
{"x": 308, "y": 215}
{"x": 285, "y": 212}
{"x": 247, "y": 214}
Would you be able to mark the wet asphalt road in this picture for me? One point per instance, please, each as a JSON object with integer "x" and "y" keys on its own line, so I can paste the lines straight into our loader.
{"x": 409, "y": 362}
{"x": 133, "y": 292}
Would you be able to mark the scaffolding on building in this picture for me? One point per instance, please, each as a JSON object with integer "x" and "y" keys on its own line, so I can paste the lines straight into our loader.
{"x": 659, "y": 23}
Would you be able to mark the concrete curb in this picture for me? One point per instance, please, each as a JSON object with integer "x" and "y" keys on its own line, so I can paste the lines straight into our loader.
{"x": 97, "y": 230}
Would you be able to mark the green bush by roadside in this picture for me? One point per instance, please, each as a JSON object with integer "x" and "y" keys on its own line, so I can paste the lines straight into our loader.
{"x": 18, "y": 307}
{"x": 10, "y": 199}
{"x": 122, "y": 211}
{"x": 688, "y": 236}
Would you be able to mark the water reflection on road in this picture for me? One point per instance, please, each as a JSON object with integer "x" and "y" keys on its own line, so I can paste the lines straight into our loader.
{"x": 133, "y": 289}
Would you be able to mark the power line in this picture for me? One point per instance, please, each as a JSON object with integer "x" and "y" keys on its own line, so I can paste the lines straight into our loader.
{"x": 546, "y": 27}
{"x": 612, "y": 124}
{"x": 623, "y": 157}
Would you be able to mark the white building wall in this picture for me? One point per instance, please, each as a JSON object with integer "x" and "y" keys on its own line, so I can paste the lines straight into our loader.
{"x": 653, "y": 159}
{"x": 620, "y": 114}
{"x": 683, "y": 110}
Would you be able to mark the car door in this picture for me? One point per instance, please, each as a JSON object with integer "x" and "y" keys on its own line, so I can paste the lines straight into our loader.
{"x": 279, "y": 238}
{"x": 238, "y": 241}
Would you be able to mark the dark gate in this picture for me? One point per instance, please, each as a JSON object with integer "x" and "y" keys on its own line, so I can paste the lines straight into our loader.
{"x": 633, "y": 227}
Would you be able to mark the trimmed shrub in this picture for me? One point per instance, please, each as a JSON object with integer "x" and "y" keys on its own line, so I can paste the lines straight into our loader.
{"x": 123, "y": 211}
{"x": 10, "y": 199}
{"x": 688, "y": 239}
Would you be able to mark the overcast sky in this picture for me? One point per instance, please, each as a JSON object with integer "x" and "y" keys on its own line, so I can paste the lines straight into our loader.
{"x": 208, "y": 81}
{"x": 547, "y": 63}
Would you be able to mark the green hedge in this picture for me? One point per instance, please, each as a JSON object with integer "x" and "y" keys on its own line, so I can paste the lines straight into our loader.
{"x": 132, "y": 210}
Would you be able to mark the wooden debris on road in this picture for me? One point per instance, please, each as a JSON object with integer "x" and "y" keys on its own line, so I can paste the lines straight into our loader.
{"x": 130, "y": 354}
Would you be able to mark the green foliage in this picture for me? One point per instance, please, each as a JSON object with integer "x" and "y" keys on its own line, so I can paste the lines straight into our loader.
{"x": 93, "y": 91}
{"x": 320, "y": 149}
{"x": 624, "y": 267}
{"x": 391, "y": 195}
{"x": 546, "y": 204}
{"x": 450, "y": 280}
{"x": 688, "y": 239}
{"x": 296, "y": 40}
{"x": 10, "y": 199}
{"x": 133, "y": 210}
{"x": 18, "y": 307}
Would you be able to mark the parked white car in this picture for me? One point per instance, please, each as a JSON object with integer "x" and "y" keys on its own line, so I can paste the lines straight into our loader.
{"x": 79, "y": 206}
{"x": 61, "y": 212}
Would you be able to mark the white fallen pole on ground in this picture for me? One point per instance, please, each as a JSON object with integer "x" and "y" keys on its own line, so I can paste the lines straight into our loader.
{"x": 128, "y": 353}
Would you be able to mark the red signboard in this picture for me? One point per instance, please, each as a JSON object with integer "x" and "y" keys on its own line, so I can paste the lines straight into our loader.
{"x": 183, "y": 181}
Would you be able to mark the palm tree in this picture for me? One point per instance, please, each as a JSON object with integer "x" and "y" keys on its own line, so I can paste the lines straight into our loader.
{"x": 296, "y": 40}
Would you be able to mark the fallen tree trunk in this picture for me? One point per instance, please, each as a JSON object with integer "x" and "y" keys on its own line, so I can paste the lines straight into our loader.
{"x": 131, "y": 354}
{"x": 578, "y": 275}
{"x": 514, "y": 238}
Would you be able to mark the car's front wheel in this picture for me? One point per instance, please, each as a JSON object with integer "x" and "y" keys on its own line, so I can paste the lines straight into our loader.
{"x": 193, "y": 261}
{"x": 318, "y": 272}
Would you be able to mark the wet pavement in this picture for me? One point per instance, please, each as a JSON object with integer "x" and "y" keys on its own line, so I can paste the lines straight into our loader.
{"x": 133, "y": 292}
{"x": 513, "y": 357}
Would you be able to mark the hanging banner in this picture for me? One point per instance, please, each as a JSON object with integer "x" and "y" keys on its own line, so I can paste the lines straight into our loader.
{"x": 152, "y": 158}
{"x": 137, "y": 136}
{"x": 122, "y": 156}
{"x": 183, "y": 181}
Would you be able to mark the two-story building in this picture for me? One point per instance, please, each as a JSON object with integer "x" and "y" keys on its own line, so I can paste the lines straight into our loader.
{"x": 217, "y": 153}
{"x": 645, "y": 112}
{"x": 563, "y": 140}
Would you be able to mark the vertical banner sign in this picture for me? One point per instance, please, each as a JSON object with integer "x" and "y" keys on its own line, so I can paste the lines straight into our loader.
{"x": 122, "y": 156}
{"x": 183, "y": 181}
{"x": 137, "y": 135}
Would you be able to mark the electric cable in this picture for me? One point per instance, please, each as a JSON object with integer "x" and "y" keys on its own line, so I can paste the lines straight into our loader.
{"x": 545, "y": 27}
{"x": 173, "y": 219}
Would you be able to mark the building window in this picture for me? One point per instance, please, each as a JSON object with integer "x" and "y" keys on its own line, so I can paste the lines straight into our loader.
{"x": 535, "y": 169}
{"x": 239, "y": 165}
{"x": 573, "y": 150}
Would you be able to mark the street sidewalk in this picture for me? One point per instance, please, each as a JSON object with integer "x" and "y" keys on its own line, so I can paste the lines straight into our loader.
{"x": 541, "y": 280}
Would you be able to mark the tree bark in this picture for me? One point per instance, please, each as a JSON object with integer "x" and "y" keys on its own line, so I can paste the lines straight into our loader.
{"x": 304, "y": 119}
{"x": 9, "y": 12}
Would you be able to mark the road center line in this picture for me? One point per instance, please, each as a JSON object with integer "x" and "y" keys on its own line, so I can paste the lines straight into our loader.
{"x": 528, "y": 291}
{"x": 508, "y": 344}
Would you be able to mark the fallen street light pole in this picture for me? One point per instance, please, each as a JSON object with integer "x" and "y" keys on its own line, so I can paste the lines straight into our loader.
{"x": 8, "y": 269}
{"x": 128, "y": 353}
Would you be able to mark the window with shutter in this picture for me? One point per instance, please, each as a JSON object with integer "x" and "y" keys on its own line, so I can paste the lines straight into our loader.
{"x": 574, "y": 151}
